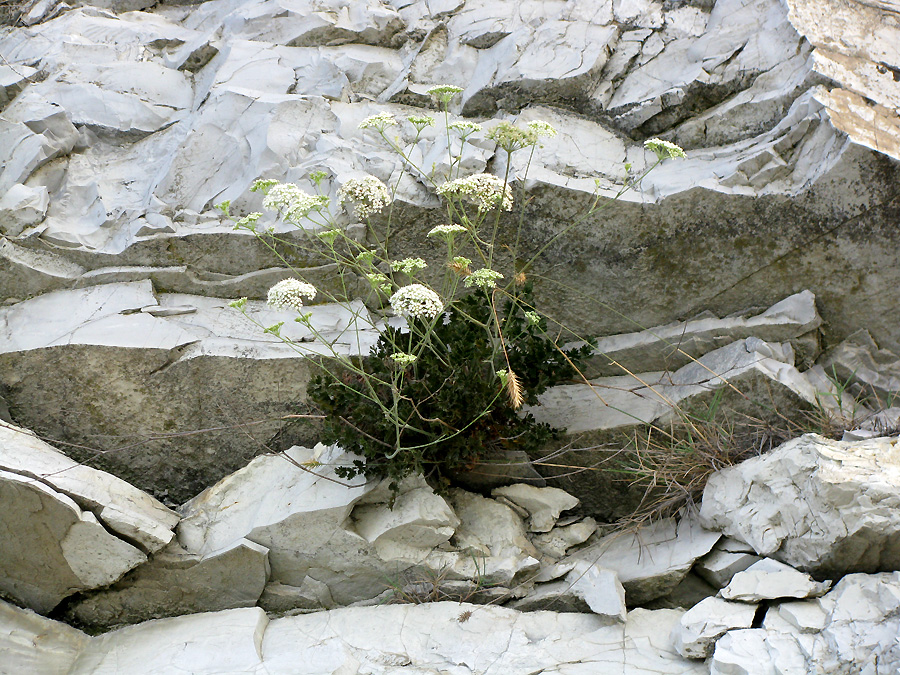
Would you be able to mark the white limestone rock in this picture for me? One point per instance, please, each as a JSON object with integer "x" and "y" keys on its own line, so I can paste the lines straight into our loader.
{"x": 706, "y": 622}
{"x": 51, "y": 548}
{"x": 805, "y": 616}
{"x": 862, "y": 624}
{"x": 770, "y": 580}
{"x": 132, "y": 514}
{"x": 586, "y": 588}
{"x": 756, "y": 651}
{"x": 542, "y": 503}
{"x": 31, "y": 643}
{"x": 491, "y": 542}
{"x": 859, "y": 363}
{"x": 614, "y": 402}
{"x": 174, "y": 583}
{"x": 200, "y": 643}
{"x": 21, "y": 207}
{"x": 557, "y": 541}
{"x": 720, "y": 565}
{"x": 651, "y": 561}
{"x": 672, "y": 346}
{"x": 821, "y": 506}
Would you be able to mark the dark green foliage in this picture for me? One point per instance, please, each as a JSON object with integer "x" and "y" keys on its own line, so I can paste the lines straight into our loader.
{"x": 454, "y": 405}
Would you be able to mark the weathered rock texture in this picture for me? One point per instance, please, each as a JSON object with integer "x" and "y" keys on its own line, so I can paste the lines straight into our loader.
{"x": 825, "y": 507}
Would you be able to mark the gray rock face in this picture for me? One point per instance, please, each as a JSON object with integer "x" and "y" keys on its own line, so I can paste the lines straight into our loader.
{"x": 821, "y": 506}
{"x": 173, "y": 583}
{"x": 51, "y": 548}
{"x": 132, "y": 369}
{"x": 31, "y": 643}
{"x": 652, "y": 561}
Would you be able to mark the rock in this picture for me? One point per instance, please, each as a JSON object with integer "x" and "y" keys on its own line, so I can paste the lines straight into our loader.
{"x": 100, "y": 334}
{"x": 543, "y": 504}
{"x": 586, "y": 588}
{"x": 199, "y": 642}
{"x": 617, "y": 402}
{"x": 756, "y": 650}
{"x": 720, "y": 565}
{"x": 858, "y": 363}
{"x": 805, "y": 616}
{"x": 706, "y": 622}
{"x": 21, "y": 207}
{"x": 652, "y": 561}
{"x": 560, "y": 539}
{"x": 770, "y": 580}
{"x": 824, "y": 507}
{"x": 672, "y": 346}
{"x": 51, "y": 548}
{"x": 491, "y": 541}
{"x": 174, "y": 583}
{"x": 122, "y": 508}
{"x": 862, "y": 624}
{"x": 506, "y": 468}
{"x": 32, "y": 644}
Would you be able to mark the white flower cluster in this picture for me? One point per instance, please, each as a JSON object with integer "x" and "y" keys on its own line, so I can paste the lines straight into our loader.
{"x": 444, "y": 92}
{"x": 293, "y": 202}
{"x": 484, "y": 278}
{"x": 446, "y": 232}
{"x": 368, "y": 195}
{"x": 663, "y": 149}
{"x": 404, "y": 359}
{"x": 541, "y": 128}
{"x": 289, "y": 294}
{"x": 483, "y": 189}
{"x": 464, "y": 127}
{"x": 416, "y": 301}
{"x": 421, "y": 121}
{"x": 533, "y": 318}
{"x": 408, "y": 265}
{"x": 380, "y": 121}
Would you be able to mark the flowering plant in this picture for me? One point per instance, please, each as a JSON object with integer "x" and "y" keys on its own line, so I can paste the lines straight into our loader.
{"x": 461, "y": 345}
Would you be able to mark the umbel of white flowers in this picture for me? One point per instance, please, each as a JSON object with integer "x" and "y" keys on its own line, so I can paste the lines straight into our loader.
{"x": 289, "y": 294}
{"x": 416, "y": 301}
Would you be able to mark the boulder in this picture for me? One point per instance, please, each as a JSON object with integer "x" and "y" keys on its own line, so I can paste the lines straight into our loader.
{"x": 824, "y": 507}
{"x": 560, "y": 539}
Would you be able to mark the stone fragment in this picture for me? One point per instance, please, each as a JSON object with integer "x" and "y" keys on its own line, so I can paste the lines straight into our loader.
{"x": 806, "y": 616}
{"x": 652, "y": 560}
{"x": 21, "y": 207}
{"x": 30, "y": 643}
{"x": 858, "y": 363}
{"x": 173, "y": 583}
{"x": 544, "y": 504}
{"x": 560, "y": 539}
{"x": 127, "y": 511}
{"x": 769, "y": 580}
{"x": 756, "y": 650}
{"x": 706, "y": 622}
{"x": 821, "y": 506}
{"x": 719, "y": 566}
{"x": 586, "y": 588}
{"x": 51, "y": 548}
{"x": 862, "y": 624}
{"x": 491, "y": 541}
